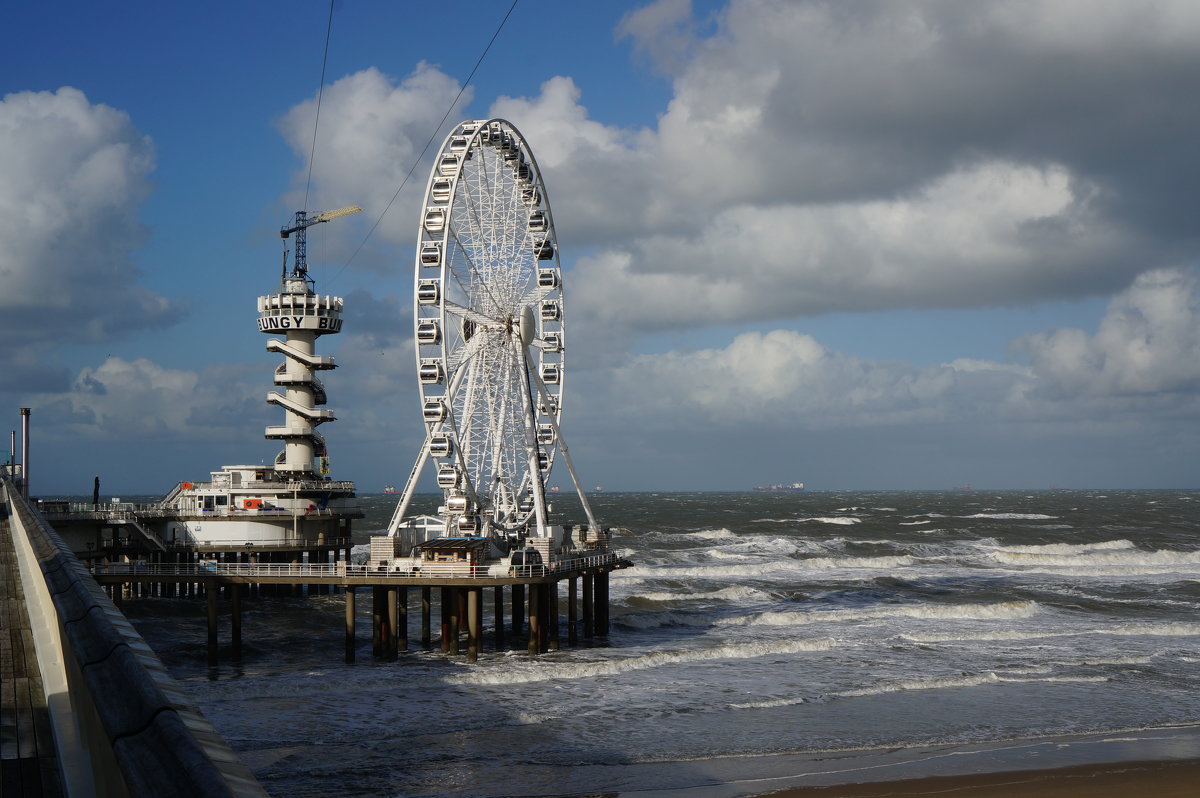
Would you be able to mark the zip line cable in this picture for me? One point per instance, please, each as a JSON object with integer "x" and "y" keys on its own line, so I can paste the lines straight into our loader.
{"x": 428, "y": 143}
{"x": 316, "y": 120}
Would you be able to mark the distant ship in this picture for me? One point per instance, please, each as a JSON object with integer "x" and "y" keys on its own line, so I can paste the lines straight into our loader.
{"x": 794, "y": 486}
{"x": 389, "y": 489}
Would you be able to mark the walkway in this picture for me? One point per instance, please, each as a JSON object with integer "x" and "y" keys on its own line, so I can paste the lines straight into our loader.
{"x": 28, "y": 758}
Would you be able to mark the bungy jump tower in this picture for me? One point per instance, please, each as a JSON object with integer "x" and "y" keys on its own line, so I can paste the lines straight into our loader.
{"x": 490, "y": 342}
{"x": 292, "y": 502}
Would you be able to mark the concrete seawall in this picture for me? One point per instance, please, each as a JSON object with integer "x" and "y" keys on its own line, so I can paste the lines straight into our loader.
{"x": 121, "y": 724}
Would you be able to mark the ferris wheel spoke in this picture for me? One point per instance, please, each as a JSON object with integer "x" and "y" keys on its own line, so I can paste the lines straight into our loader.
{"x": 468, "y": 314}
{"x": 474, "y": 274}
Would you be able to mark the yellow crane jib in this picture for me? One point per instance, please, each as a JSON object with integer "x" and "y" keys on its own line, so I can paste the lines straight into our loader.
{"x": 301, "y": 223}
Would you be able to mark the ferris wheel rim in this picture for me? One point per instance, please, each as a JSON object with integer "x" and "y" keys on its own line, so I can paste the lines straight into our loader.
{"x": 495, "y": 318}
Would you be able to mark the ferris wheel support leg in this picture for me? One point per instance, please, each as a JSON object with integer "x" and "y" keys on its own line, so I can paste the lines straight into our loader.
{"x": 410, "y": 487}
{"x": 539, "y": 487}
{"x": 562, "y": 445}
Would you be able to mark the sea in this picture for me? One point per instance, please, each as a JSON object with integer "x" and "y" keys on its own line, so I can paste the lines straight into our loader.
{"x": 753, "y": 626}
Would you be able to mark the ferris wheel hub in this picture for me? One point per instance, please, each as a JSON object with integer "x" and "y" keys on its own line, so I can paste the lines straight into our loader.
{"x": 527, "y": 326}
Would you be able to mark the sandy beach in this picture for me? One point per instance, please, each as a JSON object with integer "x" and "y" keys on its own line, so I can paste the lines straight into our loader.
{"x": 1174, "y": 779}
{"x": 1163, "y": 763}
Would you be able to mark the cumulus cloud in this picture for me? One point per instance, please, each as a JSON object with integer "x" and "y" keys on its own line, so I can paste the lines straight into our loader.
{"x": 73, "y": 176}
{"x": 371, "y": 131}
{"x": 970, "y": 238}
{"x": 1143, "y": 359}
{"x": 786, "y": 379}
{"x": 1147, "y": 343}
{"x": 824, "y": 157}
{"x": 663, "y": 31}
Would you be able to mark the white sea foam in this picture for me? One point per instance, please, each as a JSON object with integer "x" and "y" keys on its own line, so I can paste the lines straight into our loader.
{"x": 711, "y": 534}
{"x": 732, "y": 594}
{"x": 528, "y": 673}
{"x": 1160, "y": 629}
{"x": 787, "y": 567}
{"x": 997, "y": 635}
{"x": 916, "y": 523}
{"x": 922, "y": 684}
{"x": 837, "y": 519}
{"x": 1013, "y": 516}
{"x": 770, "y": 704}
{"x": 895, "y": 561}
{"x": 718, "y": 554}
{"x": 1085, "y": 558}
{"x": 1059, "y": 679}
{"x": 1068, "y": 548}
{"x": 1005, "y": 610}
{"x": 1101, "y": 661}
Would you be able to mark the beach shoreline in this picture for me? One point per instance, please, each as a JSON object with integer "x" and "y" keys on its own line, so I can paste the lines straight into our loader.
{"x": 1164, "y": 762}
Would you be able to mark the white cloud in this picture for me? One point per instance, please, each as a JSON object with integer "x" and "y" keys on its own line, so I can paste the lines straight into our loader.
{"x": 371, "y": 131}
{"x": 974, "y": 237}
{"x": 788, "y": 380}
{"x": 662, "y": 31}
{"x": 73, "y": 176}
{"x": 1147, "y": 343}
{"x": 1141, "y": 364}
{"x": 139, "y": 400}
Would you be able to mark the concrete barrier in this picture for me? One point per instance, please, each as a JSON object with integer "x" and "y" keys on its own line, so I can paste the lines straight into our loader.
{"x": 123, "y": 726}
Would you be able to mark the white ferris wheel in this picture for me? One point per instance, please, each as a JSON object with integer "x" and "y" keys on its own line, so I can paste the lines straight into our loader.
{"x": 489, "y": 329}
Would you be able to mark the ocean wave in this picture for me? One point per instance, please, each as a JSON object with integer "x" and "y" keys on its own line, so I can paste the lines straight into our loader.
{"x": 828, "y": 563}
{"x": 1059, "y": 679}
{"x": 733, "y": 594}
{"x": 837, "y": 519}
{"x": 784, "y": 567}
{"x": 936, "y": 683}
{"x": 997, "y": 635}
{"x": 916, "y": 523}
{"x": 718, "y": 554}
{"x": 1005, "y": 610}
{"x": 1124, "y": 557}
{"x": 769, "y": 704}
{"x": 1013, "y": 516}
{"x": 1158, "y": 629}
{"x": 1093, "y": 661}
{"x": 1068, "y": 548}
{"x": 711, "y": 534}
{"x": 529, "y": 673}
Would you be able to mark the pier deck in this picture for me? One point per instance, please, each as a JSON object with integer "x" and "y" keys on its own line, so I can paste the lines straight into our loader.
{"x": 28, "y": 756}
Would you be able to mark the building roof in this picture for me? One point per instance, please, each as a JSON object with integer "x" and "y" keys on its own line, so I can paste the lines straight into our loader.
{"x": 452, "y": 544}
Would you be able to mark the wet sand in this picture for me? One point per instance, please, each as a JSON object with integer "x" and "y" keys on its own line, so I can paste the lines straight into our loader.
{"x": 1163, "y": 763}
{"x": 1113, "y": 780}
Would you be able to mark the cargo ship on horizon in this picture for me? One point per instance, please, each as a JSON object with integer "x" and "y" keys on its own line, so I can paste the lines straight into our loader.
{"x": 788, "y": 488}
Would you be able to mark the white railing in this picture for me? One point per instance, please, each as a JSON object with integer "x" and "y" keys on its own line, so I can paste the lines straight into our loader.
{"x": 342, "y": 570}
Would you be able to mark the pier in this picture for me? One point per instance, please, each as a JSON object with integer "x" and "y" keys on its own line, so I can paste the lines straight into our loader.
{"x": 526, "y": 604}
{"x": 122, "y": 550}
{"x": 86, "y": 708}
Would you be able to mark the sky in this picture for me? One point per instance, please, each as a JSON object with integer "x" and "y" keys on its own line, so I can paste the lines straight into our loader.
{"x": 865, "y": 245}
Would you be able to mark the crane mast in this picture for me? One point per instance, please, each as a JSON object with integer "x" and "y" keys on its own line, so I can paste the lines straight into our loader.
{"x": 301, "y": 224}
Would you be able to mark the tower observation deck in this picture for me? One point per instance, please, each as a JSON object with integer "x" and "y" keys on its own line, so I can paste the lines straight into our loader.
{"x": 301, "y": 315}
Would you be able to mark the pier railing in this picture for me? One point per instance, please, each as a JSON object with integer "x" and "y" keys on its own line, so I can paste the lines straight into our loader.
{"x": 351, "y": 570}
{"x": 57, "y": 510}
